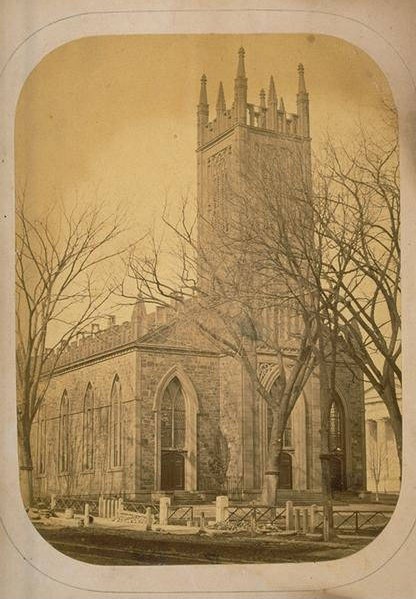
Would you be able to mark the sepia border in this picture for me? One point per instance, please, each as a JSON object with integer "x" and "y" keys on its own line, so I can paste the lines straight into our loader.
{"x": 32, "y": 568}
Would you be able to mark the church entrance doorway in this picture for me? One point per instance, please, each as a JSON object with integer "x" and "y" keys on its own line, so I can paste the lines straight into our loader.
{"x": 173, "y": 471}
{"x": 337, "y": 473}
{"x": 285, "y": 471}
{"x": 337, "y": 446}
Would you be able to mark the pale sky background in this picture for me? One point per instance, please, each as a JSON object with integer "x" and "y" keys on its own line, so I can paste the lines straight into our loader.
{"x": 114, "y": 117}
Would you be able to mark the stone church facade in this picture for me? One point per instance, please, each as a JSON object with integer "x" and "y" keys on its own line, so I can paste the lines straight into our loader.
{"x": 152, "y": 406}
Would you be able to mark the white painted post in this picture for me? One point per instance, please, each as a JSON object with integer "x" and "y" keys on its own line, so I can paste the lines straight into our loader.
{"x": 289, "y": 515}
{"x": 312, "y": 518}
{"x": 164, "y": 504}
{"x": 305, "y": 520}
{"x": 149, "y": 518}
{"x": 297, "y": 519}
{"x": 87, "y": 514}
{"x": 221, "y": 508}
{"x": 53, "y": 502}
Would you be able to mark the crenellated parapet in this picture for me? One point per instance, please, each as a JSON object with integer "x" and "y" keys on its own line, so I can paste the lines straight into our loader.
{"x": 271, "y": 116}
{"x": 97, "y": 340}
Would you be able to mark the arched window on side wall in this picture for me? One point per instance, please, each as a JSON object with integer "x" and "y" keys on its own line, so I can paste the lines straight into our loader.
{"x": 88, "y": 430}
{"x": 63, "y": 458}
{"x": 41, "y": 441}
{"x": 115, "y": 424}
{"x": 336, "y": 428}
{"x": 173, "y": 417}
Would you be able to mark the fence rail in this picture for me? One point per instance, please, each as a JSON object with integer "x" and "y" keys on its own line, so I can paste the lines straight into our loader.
{"x": 181, "y": 513}
{"x": 356, "y": 520}
{"x": 260, "y": 514}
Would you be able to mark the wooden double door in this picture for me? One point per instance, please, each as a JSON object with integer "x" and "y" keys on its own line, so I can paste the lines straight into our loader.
{"x": 172, "y": 471}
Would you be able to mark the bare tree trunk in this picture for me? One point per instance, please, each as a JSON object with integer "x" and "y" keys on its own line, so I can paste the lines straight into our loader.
{"x": 271, "y": 474}
{"x": 395, "y": 420}
{"x": 25, "y": 463}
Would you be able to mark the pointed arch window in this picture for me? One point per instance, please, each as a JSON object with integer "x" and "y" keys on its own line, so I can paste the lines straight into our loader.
{"x": 287, "y": 433}
{"x": 115, "y": 424}
{"x": 64, "y": 434}
{"x": 88, "y": 430}
{"x": 173, "y": 417}
{"x": 336, "y": 427}
{"x": 41, "y": 441}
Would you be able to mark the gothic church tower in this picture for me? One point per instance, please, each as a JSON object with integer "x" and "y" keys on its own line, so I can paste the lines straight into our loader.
{"x": 242, "y": 134}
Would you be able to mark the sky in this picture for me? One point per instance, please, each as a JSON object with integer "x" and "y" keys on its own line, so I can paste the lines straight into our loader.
{"x": 113, "y": 118}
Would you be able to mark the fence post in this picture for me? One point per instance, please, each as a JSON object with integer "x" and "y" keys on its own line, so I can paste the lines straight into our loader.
{"x": 164, "y": 504}
{"x": 305, "y": 520}
{"x": 297, "y": 519}
{"x": 202, "y": 521}
{"x": 312, "y": 518}
{"x": 149, "y": 518}
{"x": 289, "y": 515}
{"x": 100, "y": 506}
{"x": 119, "y": 506}
{"x": 87, "y": 514}
{"x": 356, "y": 522}
{"x": 221, "y": 508}
{"x": 326, "y": 522}
{"x": 53, "y": 502}
{"x": 253, "y": 521}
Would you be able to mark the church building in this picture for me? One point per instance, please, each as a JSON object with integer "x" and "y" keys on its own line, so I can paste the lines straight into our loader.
{"x": 152, "y": 406}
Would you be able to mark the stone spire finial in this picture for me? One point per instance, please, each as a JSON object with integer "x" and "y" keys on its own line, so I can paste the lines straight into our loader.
{"x": 282, "y": 105}
{"x": 301, "y": 80}
{"x": 302, "y": 104}
{"x": 203, "y": 98}
{"x": 139, "y": 319}
{"x": 240, "y": 91}
{"x": 221, "y": 99}
{"x": 262, "y": 98}
{"x": 272, "y": 97}
{"x": 241, "y": 70}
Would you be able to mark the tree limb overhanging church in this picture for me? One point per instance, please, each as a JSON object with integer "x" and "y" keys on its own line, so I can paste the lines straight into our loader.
{"x": 153, "y": 406}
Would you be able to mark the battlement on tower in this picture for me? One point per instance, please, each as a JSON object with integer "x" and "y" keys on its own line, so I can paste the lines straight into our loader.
{"x": 271, "y": 116}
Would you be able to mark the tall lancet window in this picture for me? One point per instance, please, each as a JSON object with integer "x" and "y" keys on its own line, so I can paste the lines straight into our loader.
{"x": 287, "y": 433}
{"x": 88, "y": 430}
{"x": 63, "y": 457}
{"x": 41, "y": 441}
{"x": 173, "y": 417}
{"x": 336, "y": 427}
{"x": 115, "y": 424}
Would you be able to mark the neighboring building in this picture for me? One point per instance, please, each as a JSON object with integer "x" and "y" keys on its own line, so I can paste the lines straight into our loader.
{"x": 382, "y": 460}
{"x": 152, "y": 405}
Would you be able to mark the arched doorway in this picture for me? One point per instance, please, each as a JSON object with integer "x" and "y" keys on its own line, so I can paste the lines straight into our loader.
{"x": 285, "y": 470}
{"x": 336, "y": 445}
{"x": 173, "y": 436}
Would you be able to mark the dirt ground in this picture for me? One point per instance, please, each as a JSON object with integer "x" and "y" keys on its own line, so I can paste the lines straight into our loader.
{"x": 97, "y": 545}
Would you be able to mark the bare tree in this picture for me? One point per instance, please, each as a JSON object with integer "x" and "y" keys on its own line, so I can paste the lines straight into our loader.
{"x": 362, "y": 185}
{"x": 61, "y": 286}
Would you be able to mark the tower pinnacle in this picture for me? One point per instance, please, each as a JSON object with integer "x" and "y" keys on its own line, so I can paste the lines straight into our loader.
{"x": 203, "y": 99}
{"x": 302, "y": 103}
{"x": 240, "y": 90}
{"x": 221, "y": 99}
{"x": 241, "y": 70}
{"x": 272, "y": 97}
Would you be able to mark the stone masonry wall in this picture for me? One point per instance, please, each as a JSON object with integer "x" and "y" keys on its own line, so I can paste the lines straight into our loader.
{"x": 102, "y": 478}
